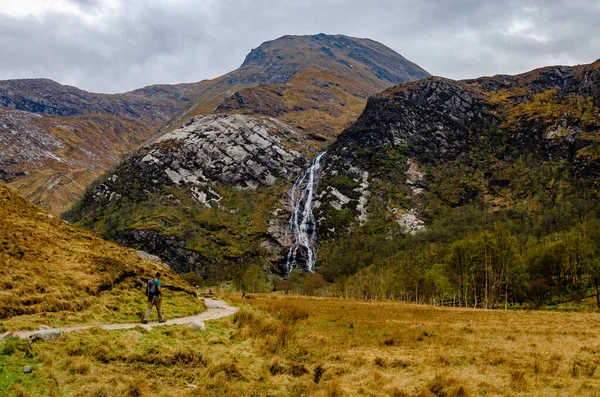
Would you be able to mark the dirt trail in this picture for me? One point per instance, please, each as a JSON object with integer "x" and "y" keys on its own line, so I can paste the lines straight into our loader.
{"x": 216, "y": 308}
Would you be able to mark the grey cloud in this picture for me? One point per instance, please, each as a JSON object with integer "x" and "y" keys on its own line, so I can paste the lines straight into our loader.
{"x": 151, "y": 42}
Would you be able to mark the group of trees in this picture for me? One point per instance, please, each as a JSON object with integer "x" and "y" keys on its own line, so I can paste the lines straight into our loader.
{"x": 471, "y": 258}
{"x": 489, "y": 269}
{"x": 476, "y": 258}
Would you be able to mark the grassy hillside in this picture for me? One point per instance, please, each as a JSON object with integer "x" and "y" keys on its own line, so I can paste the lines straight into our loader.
{"x": 319, "y": 102}
{"x": 56, "y": 139}
{"x": 293, "y": 346}
{"x": 53, "y": 273}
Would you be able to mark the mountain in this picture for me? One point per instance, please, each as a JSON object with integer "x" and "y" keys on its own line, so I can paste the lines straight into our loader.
{"x": 212, "y": 196}
{"x": 440, "y": 175}
{"x": 56, "y": 139}
{"x": 201, "y": 196}
{"x": 317, "y": 84}
{"x": 53, "y": 272}
{"x": 452, "y": 142}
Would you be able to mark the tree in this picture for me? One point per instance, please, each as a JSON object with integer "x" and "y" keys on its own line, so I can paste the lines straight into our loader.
{"x": 313, "y": 282}
{"x": 286, "y": 285}
{"x": 252, "y": 278}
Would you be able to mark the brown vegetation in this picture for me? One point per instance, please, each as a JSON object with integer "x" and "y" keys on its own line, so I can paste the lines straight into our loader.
{"x": 54, "y": 273}
{"x": 293, "y": 346}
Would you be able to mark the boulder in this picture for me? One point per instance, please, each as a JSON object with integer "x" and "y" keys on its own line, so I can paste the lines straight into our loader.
{"x": 46, "y": 334}
{"x": 197, "y": 325}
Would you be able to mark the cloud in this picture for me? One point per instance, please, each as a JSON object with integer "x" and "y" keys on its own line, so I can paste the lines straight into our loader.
{"x": 115, "y": 46}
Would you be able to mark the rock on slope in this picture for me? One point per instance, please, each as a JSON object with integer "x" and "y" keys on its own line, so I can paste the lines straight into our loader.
{"x": 231, "y": 150}
{"x": 53, "y": 271}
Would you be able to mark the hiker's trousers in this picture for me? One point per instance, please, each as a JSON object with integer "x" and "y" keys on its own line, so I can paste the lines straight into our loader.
{"x": 154, "y": 301}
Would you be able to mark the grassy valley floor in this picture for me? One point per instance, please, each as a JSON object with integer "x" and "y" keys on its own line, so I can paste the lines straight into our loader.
{"x": 293, "y": 346}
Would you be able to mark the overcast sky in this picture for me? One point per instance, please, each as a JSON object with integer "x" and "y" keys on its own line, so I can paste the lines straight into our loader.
{"x": 119, "y": 45}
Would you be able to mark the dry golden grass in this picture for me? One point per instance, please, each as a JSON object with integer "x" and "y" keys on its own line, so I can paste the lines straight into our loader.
{"x": 53, "y": 273}
{"x": 299, "y": 346}
{"x": 389, "y": 348}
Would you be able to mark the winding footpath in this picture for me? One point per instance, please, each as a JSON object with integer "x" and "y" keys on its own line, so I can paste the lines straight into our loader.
{"x": 215, "y": 309}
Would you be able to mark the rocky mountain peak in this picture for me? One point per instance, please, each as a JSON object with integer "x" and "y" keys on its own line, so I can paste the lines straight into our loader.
{"x": 279, "y": 60}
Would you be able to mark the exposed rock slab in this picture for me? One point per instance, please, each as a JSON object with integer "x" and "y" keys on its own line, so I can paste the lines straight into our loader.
{"x": 233, "y": 150}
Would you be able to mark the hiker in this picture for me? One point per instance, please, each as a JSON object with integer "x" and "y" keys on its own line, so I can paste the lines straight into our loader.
{"x": 153, "y": 292}
{"x": 243, "y": 294}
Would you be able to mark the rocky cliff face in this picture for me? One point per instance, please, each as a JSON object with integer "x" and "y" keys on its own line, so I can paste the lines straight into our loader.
{"x": 507, "y": 143}
{"x": 232, "y": 150}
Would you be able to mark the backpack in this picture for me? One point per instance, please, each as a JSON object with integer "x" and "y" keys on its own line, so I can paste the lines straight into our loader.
{"x": 151, "y": 288}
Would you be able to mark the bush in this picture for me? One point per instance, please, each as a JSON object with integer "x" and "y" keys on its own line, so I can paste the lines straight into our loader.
{"x": 12, "y": 345}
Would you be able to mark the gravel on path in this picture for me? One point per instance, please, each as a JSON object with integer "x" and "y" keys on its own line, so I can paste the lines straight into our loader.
{"x": 216, "y": 309}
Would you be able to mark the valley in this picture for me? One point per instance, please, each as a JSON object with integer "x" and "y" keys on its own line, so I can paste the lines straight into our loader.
{"x": 291, "y": 345}
{"x": 381, "y": 231}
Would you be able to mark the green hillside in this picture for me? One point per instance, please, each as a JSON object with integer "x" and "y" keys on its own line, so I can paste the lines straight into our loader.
{"x": 480, "y": 192}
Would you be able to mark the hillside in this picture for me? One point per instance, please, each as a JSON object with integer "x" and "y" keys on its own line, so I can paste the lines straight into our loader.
{"x": 317, "y": 84}
{"x": 483, "y": 189}
{"x": 54, "y": 273}
{"x": 55, "y": 139}
{"x": 208, "y": 197}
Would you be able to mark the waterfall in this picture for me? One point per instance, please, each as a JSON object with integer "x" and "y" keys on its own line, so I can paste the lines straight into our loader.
{"x": 302, "y": 222}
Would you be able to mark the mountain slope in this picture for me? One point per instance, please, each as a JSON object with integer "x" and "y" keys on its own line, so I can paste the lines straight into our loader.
{"x": 55, "y": 273}
{"x": 50, "y": 160}
{"x": 213, "y": 196}
{"x": 462, "y": 164}
{"x": 315, "y": 83}
{"x": 201, "y": 196}
{"x": 56, "y": 139}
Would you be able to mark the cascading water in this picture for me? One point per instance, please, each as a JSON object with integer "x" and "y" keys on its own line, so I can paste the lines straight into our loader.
{"x": 302, "y": 222}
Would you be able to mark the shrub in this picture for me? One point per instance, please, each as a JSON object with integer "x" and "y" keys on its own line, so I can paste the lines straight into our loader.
{"x": 12, "y": 345}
